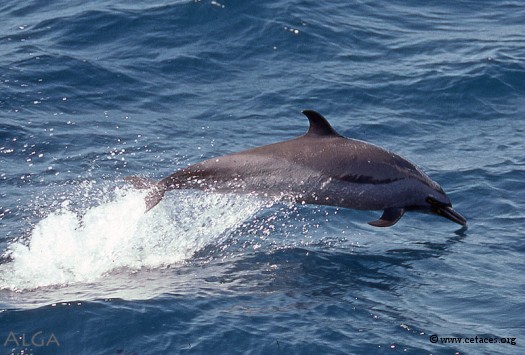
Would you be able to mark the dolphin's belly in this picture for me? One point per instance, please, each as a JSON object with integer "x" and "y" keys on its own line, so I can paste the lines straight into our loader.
{"x": 282, "y": 179}
{"x": 362, "y": 195}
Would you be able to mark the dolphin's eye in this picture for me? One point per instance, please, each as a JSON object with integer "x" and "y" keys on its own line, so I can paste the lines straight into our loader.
{"x": 431, "y": 200}
{"x": 435, "y": 203}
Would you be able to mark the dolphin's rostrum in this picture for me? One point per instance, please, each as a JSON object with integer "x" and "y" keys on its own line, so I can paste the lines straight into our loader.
{"x": 321, "y": 167}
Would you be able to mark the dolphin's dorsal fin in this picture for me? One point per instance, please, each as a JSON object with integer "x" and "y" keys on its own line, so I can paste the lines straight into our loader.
{"x": 319, "y": 126}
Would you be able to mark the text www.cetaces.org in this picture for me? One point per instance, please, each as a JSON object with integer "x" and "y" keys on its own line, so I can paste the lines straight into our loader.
{"x": 434, "y": 338}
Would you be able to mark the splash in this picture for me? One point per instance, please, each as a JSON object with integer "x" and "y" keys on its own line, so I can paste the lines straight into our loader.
{"x": 64, "y": 248}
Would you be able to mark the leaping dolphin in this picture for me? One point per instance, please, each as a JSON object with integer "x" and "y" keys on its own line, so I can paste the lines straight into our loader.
{"x": 321, "y": 167}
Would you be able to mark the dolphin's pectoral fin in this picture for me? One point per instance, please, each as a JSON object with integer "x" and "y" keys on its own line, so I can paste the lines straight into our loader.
{"x": 389, "y": 218}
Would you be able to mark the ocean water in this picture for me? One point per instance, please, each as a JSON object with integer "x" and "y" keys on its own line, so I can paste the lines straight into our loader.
{"x": 95, "y": 91}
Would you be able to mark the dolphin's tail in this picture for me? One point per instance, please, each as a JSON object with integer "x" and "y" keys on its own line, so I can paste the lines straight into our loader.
{"x": 155, "y": 194}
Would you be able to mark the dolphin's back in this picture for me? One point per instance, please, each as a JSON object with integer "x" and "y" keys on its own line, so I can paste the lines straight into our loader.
{"x": 329, "y": 169}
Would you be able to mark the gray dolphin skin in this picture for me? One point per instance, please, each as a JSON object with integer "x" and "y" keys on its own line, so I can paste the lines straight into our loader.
{"x": 321, "y": 167}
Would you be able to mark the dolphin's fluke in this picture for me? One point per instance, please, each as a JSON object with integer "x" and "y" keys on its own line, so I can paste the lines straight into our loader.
{"x": 140, "y": 182}
{"x": 389, "y": 218}
{"x": 154, "y": 196}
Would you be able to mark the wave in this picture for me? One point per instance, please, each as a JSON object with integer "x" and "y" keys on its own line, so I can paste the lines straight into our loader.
{"x": 72, "y": 245}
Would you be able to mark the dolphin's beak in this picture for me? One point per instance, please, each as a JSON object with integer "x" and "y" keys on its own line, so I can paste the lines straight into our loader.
{"x": 446, "y": 211}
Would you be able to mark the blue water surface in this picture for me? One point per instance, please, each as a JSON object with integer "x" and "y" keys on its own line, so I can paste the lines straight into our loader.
{"x": 93, "y": 91}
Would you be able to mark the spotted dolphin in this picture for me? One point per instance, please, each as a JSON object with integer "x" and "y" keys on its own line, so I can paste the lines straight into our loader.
{"x": 321, "y": 167}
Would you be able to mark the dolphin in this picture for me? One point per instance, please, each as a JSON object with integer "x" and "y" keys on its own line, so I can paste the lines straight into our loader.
{"x": 321, "y": 167}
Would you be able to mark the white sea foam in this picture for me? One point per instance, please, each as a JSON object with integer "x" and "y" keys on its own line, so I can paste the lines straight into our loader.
{"x": 64, "y": 248}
